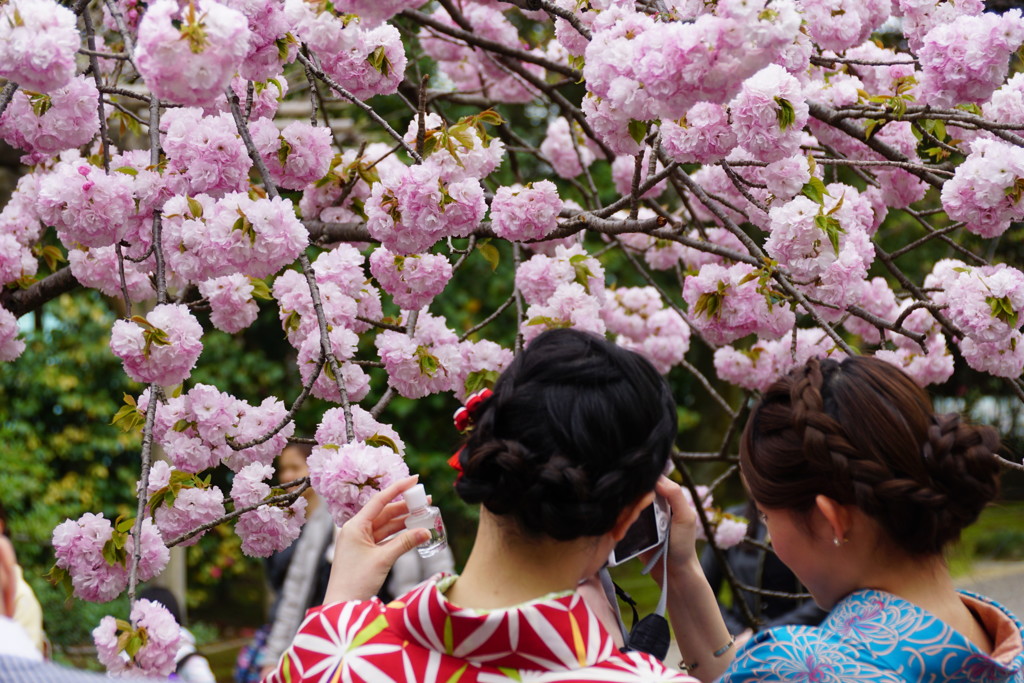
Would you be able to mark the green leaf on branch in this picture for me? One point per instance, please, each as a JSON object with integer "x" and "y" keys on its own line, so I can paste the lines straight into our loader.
{"x": 583, "y": 272}
{"x": 970, "y": 108}
{"x": 260, "y": 289}
{"x": 637, "y": 130}
{"x": 429, "y": 365}
{"x": 51, "y": 254}
{"x": 127, "y": 123}
{"x": 40, "y": 102}
{"x": 61, "y": 579}
{"x": 378, "y": 59}
{"x": 154, "y": 337}
{"x": 872, "y": 126}
{"x": 832, "y": 229}
{"x": 1002, "y": 309}
{"x": 1015, "y": 191}
{"x": 785, "y": 114}
{"x": 383, "y": 440}
{"x": 815, "y": 190}
{"x": 481, "y": 379}
{"x": 194, "y": 207}
{"x": 709, "y": 304}
{"x": 128, "y": 418}
{"x": 134, "y": 645}
{"x": 490, "y": 253}
{"x": 283, "y": 151}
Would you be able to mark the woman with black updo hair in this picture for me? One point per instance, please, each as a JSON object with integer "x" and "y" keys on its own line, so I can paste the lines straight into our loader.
{"x": 563, "y": 457}
{"x": 862, "y": 487}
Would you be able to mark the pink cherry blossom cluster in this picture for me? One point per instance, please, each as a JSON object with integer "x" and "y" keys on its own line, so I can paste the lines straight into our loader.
{"x": 564, "y": 290}
{"x": 38, "y": 42}
{"x": 877, "y": 298}
{"x": 374, "y": 12}
{"x": 465, "y": 155}
{"x": 728, "y": 303}
{"x": 195, "y": 428}
{"x": 473, "y": 70}
{"x": 204, "y": 153}
{"x": 565, "y": 148}
{"x": 764, "y": 362}
{"x": 347, "y": 475}
{"x": 624, "y": 168}
{"x": 269, "y": 45}
{"x": 412, "y": 281}
{"x": 986, "y": 190}
{"x": 338, "y": 196}
{"x": 232, "y": 306}
{"x": 428, "y": 361}
{"x": 728, "y": 529}
{"x": 86, "y": 204}
{"x": 78, "y": 545}
{"x": 206, "y": 238}
{"x": 987, "y": 304}
{"x": 703, "y": 135}
{"x": 344, "y": 293}
{"x": 837, "y": 25}
{"x": 332, "y": 430}
{"x": 931, "y": 365}
{"x": 188, "y": 55}
{"x": 966, "y": 60}
{"x": 665, "y": 68}
{"x": 410, "y": 209}
{"x": 365, "y": 60}
{"x": 659, "y": 254}
{"x": 769, "y": 114}
{"x": 826, "y": 248}
{"x": 721, "y": 237}
{"x": 296, "y": 156}
{"x": 20, "y": 228}
{"x": 642, "y": 323}
{"x": 343, "y": 343}
{"x": 266, "y": 97}
{"x": 98, "y": 268}
{"x": 531, "y": 213}
{"x": 44, "y": 125}
{"x": 155, "y": 658}
{"x": 193, "y": 506}
{"x": 1007, "y": 103}
{"x": 268, "y": 528}
{"x": 10, "y": 346}
{"x": 921, "y": 16}
{"x": 161, "y": 348}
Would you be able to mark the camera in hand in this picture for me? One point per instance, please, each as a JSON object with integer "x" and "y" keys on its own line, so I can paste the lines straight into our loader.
{"x": 648, "y": 531}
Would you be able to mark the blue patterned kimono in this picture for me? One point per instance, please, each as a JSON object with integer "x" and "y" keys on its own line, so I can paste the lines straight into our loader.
{"x": 878, "y": 637}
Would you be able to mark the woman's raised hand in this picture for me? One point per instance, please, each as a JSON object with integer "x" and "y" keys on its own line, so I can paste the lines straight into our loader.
{"x": 682, "y": 547}
{"x": 362, "y": 556}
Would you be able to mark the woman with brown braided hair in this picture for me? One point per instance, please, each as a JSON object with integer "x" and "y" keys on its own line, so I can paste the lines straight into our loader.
{"x": 862, "y": 487}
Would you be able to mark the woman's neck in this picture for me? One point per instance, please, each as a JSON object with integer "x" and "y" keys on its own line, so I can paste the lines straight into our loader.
{"x": 926, "y": 582}
{"x": 505, "y": 568}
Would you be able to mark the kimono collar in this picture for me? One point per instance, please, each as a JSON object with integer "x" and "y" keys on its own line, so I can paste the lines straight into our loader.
{"x": 894, "y": 628}
{"x": 553, "y": 633}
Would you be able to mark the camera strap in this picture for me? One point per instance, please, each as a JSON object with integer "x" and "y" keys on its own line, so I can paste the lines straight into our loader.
{"x": 650, "y": 634}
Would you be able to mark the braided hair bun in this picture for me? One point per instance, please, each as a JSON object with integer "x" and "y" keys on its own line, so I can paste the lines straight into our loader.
{"x": 577, "y": 429}
{"x": 861, "y": 432}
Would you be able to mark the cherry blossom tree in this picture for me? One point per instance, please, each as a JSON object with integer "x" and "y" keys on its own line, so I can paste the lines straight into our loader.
{"x": 764, "y": 167}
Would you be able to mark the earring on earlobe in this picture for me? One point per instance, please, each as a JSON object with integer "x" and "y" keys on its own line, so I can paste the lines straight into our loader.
{"x": 836, "y": 542}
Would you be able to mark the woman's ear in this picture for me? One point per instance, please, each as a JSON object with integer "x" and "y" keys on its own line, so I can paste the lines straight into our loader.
{"x": 629, "y": 515}
{"x": 837, "y": 516}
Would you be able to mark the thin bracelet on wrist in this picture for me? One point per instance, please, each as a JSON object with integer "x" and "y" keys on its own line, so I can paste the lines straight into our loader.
{"x": 686, "y": 668}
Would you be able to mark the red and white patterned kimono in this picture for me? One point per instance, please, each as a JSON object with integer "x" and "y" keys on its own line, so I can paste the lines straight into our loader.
{"x": 422, "y": 638}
